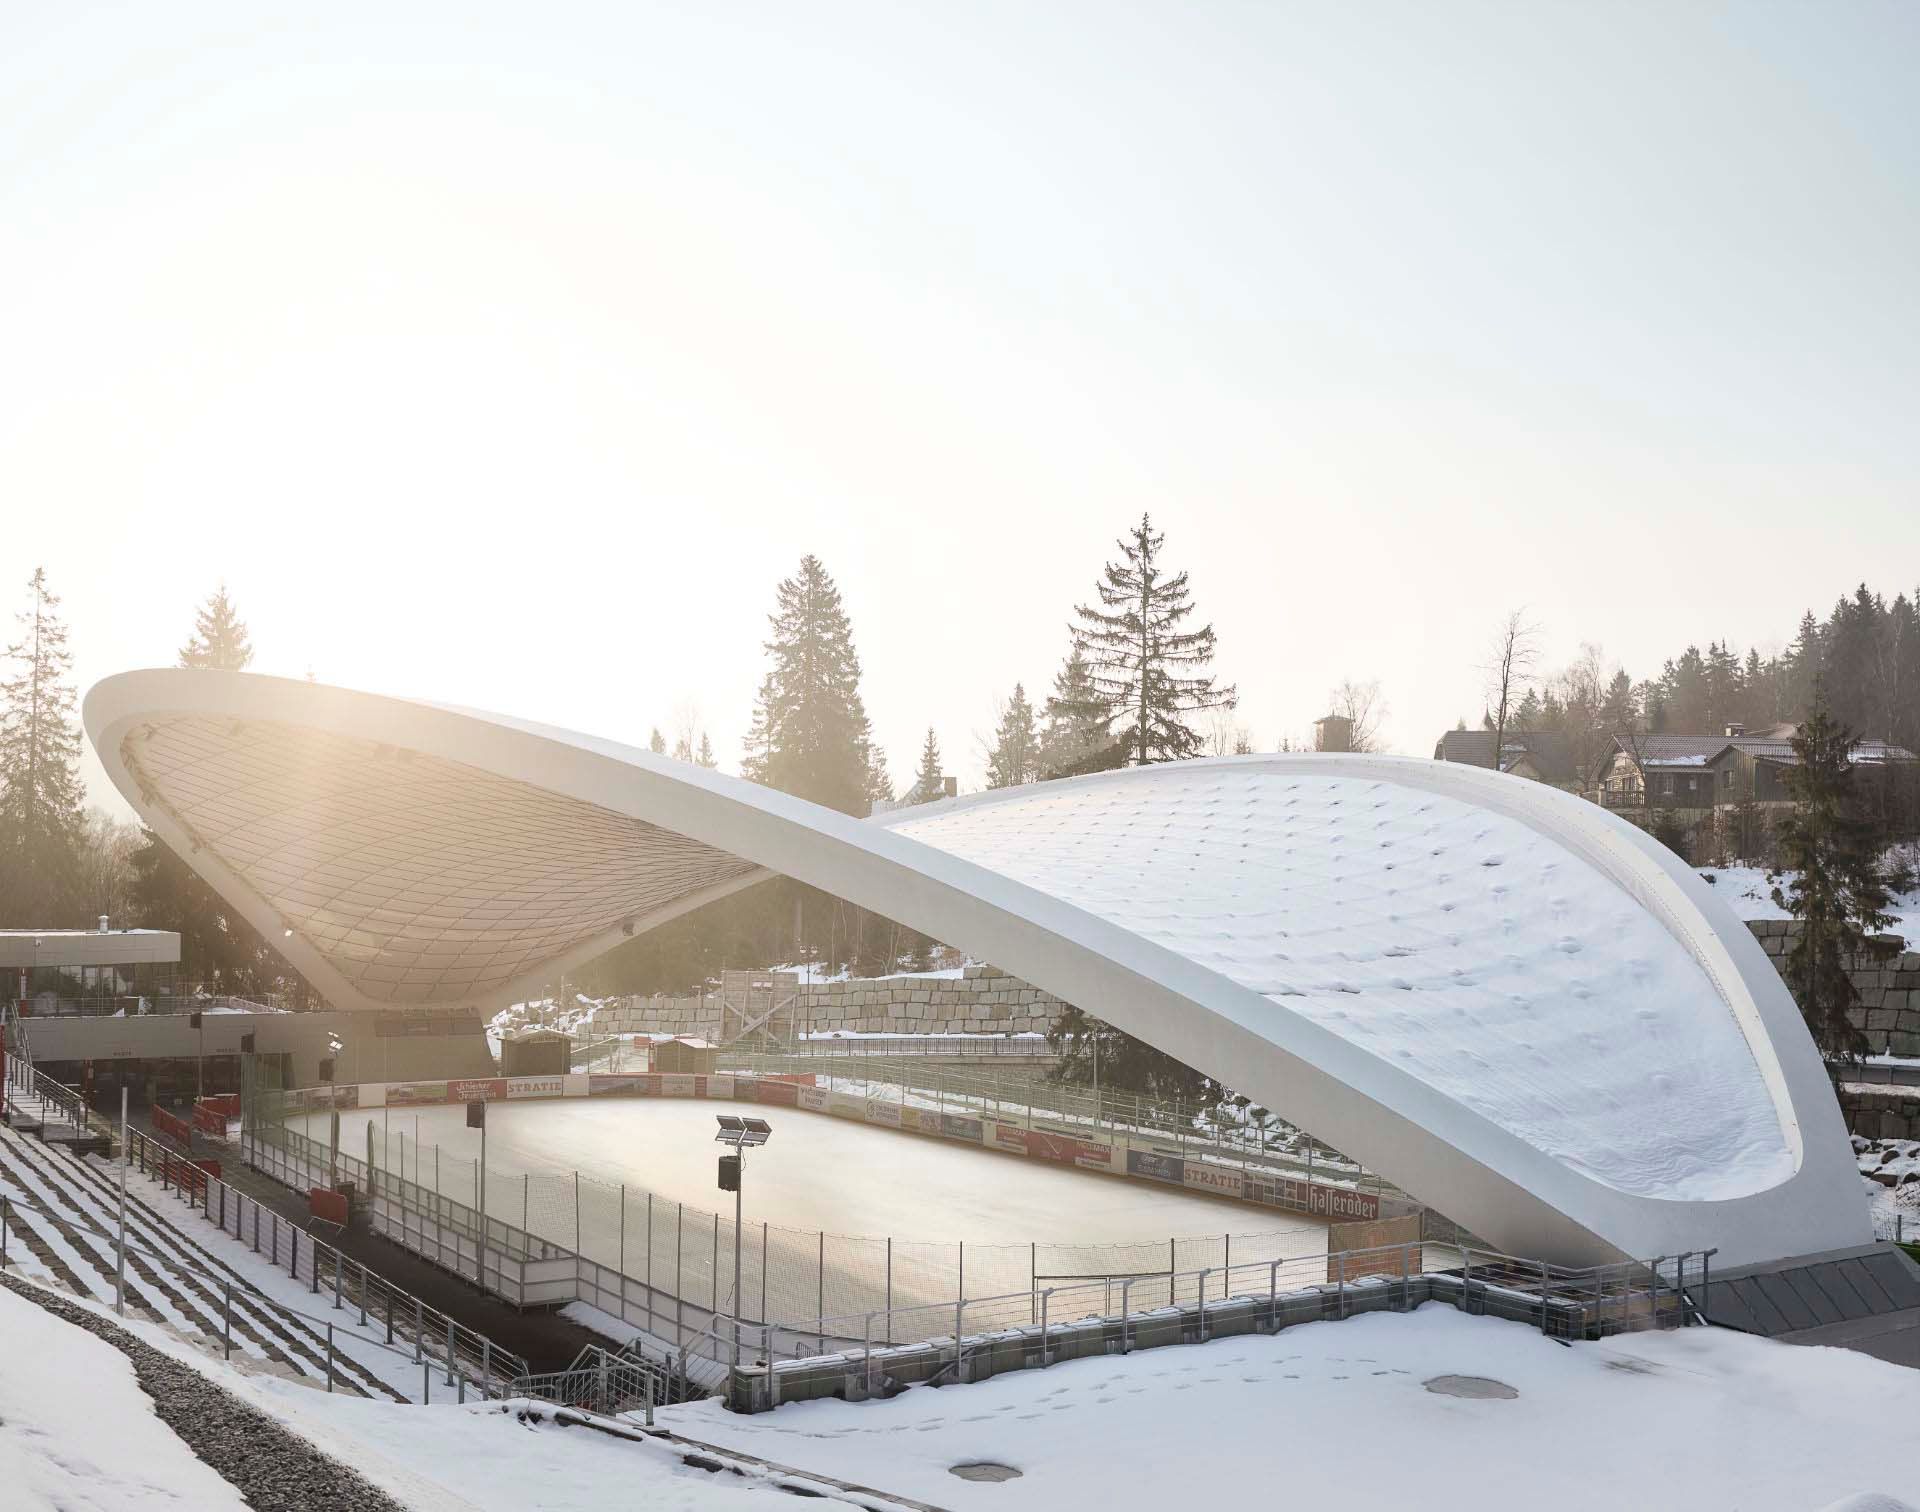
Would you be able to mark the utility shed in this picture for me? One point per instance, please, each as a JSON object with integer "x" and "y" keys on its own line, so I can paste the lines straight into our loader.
{"x": 538, "y": 1052}
{"x": 682, "y": 1055}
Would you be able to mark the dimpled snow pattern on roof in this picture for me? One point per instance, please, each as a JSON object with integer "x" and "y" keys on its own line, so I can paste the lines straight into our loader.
{"x": 420, "y": 880}
{"x": 1466, "y": 948}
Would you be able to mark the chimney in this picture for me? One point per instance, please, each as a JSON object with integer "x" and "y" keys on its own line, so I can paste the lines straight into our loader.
{"x": 1735, "y": 731}
{"x": 950, "y": 787}
{"x": 103, "y": 924}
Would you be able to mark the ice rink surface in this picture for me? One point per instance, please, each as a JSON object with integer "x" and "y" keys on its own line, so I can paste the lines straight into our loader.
{"x": 818, "y": 1172}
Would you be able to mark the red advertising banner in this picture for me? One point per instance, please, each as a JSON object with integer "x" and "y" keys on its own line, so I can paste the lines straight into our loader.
{"x": 1342, "y": 1202}
{"x": 782, "y": 1094}
{"x": 485, "y": 1089}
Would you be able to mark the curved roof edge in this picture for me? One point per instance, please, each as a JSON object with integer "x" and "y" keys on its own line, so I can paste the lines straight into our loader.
{"x": 1480, "y": 1174}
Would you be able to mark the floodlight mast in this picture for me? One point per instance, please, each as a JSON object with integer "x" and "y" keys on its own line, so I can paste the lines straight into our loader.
{"x": 739, "y": 1134}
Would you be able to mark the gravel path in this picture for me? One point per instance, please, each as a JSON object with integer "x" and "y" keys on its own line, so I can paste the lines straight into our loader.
{"x": 274, "y": 1469}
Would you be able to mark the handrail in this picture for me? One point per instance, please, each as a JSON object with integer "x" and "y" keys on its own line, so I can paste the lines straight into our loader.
{"x": 351, "y": 1278}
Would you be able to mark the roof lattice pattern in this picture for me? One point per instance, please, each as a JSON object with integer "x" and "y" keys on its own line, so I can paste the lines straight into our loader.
{"x": 420, "y": 880}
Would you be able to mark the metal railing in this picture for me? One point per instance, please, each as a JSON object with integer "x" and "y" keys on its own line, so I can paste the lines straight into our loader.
{"x": 469, "y": 1359}
{"x": 1186, "y": 1130}
{"x": 229, "y": 1286}
{"x": 972, "y": 1047}
{"x": 605, "y": 1381}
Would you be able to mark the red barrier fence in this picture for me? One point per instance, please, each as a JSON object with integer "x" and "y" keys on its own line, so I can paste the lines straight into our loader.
{"x": 168, "y": 1126}
{"x": 188, "y": 1175}
{"x": 226, "y": 1104}
{"x": 209, "y": 1119}
{"x": 328, "y": 1205}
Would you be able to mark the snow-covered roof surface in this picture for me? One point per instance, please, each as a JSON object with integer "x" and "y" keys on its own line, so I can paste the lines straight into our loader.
{"x": 1467, "y": 948}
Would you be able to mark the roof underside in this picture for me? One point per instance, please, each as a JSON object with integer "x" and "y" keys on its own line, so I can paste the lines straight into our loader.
{"x": 418, "y": 879}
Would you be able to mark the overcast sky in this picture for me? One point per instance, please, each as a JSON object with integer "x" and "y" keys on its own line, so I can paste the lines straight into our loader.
{"x": 509, "y": 355}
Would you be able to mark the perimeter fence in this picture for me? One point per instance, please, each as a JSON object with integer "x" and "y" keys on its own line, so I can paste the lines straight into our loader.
{"x": 677, "y": 1259}
{"x": 1237, "y": 1135}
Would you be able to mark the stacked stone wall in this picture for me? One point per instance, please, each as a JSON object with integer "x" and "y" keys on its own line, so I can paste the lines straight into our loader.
{"x": 981, "y": 1000}
{"x": 1888, "y": 1012}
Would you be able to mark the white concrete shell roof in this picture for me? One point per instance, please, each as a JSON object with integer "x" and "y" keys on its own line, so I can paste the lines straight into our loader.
{"x": 1505, "y": 999}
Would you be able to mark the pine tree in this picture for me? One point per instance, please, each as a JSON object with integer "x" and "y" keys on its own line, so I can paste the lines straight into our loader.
{"x": 706, "y": 758}
{"x": 810, "y": 732}
{"x": 929, "y": 783}
{"x": 656, "y": 742}
{"x": 879, "y": 781}
{"x": 1080, "y": 1042}
{"x": 42, "y": 821}
{"x": 1015, "y": 757}
{"x": 1078, "y": 721}
{"x": 1618, "y": 713}
{"x": 1839, "y": 888}
{"x": 1145, "y": 667}
{"x": 219, "y": 637}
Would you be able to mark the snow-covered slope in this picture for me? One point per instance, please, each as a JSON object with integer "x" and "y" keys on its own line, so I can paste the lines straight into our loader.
{"x": 1466, "y": 947}
{"x": 1748, "y": 891}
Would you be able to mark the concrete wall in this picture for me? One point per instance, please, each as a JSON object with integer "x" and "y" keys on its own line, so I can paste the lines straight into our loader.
{"x": 366, "y": 1054}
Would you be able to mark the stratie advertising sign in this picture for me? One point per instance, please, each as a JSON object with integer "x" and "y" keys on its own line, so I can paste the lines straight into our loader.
{"x": 536, "y": 1086}
{"x": 1224, "y": 1180}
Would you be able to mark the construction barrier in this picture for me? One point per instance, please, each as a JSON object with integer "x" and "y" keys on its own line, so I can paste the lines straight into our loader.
{"x": 169, "y": 1126}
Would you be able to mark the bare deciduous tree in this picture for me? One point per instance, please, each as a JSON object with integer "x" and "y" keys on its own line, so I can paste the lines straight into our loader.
{"x": 1360, "y": 703}
{"x": 1509, "y": 670}
{"x": 1226, "y": 736}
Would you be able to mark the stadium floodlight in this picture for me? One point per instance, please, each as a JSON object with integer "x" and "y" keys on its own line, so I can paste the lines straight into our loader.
{"x": 741, "y": 1135}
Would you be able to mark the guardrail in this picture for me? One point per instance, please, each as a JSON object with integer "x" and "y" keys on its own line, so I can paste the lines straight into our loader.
{"x": 1062, "y": 1323}
{"x": 470, "y": 1360}
{"x": 1272, "y": 1149}
{"x": 973, "y": 1047}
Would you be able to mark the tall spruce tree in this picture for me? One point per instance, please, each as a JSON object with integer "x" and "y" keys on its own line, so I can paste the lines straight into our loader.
{"x": 1078, "y": 724}
{"x": 1147, "y": 669}
{"x": 1839, "y": 886}
{"x": 656, "y": 742}
{"x": 42, "y": 820}
{"x": 706, "y": 758}
{"x": 220, "y": 639}
{"x": 810, "y": 732}
{"x": 1015, "y": 757}
{"x": 929, "y": 783}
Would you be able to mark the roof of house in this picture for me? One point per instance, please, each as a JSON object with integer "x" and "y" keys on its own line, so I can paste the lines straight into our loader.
{"x": 1547, "y": 749}
{"x": 1671, "y": 751}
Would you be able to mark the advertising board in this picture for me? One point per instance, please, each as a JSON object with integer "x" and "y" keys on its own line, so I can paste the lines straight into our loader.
{"x": 478, "y": 1089}
{"x": 536, "y": 1086}
{"x": 1156, "y": 1167}
{"x": 411, "y": 1094}
{"x": 1199, "y": 1175}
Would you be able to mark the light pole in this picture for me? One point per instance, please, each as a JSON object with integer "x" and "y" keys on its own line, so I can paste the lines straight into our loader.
{"x": 741, "y": 1135}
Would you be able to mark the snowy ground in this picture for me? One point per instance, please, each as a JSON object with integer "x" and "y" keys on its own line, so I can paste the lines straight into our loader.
{"x": 1335, "y": 1414}
{"x": 1748, "y": 891}
{"x": 76, "y": 1431}
{"x": 1891, "y": 1169}
{"x": 1327, "y": 1414}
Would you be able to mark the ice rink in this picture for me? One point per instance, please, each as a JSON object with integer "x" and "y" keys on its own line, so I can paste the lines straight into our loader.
{"x": 846, "y": 1214}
